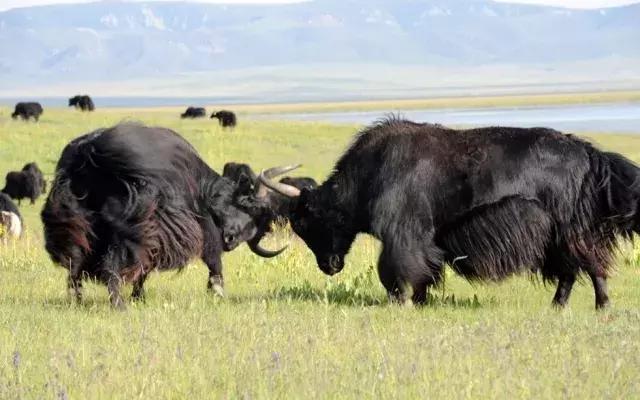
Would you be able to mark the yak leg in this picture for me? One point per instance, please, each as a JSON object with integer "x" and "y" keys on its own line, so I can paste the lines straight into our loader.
{"x": 600, "y": 287}
{"x": 113, "y": 286}
{"x": 422, "y": 284}
{"x": 425, "y": 272}
{"x": 111, "y": 261}
{"x": 387, "y": 271}
{"x": 409, "y": 268}
{"x": 562, "y": 263}
{"x": 74, "y": 280}
{"x": 565, "y": 284}
{"x": 595, "y": 263}
{"x": 74, "y": 283}
{"x": 212, "y": 256}
{"x": 138, "y": 288}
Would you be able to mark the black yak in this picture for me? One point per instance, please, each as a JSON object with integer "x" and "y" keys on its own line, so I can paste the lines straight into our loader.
{"x": 489, "y": 201}
{"x": 33, "y": 168}
{"x": 28, "y": 183}
{"x": 194, "y": 112}
{"x": 130, "y": 199}
{"x": 82, "y": 102}
{"x": 27, "y": 110}
{"x": 278, "y": 203}
{"x": 10, "y": 218}
{"x": 226, "y": 119}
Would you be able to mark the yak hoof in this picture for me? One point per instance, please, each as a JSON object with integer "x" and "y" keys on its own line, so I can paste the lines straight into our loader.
{"x": 217, "y": 289}
{"x": 399, "y": 299}
{"x": 216, "y": 285}
{"x": 119, "y": 305}
{"x": 558, "y": 305}
{"x": 75, "y": 295}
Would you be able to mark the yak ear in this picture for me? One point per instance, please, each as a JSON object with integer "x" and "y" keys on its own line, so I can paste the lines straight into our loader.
{"x": 245, "y": 184}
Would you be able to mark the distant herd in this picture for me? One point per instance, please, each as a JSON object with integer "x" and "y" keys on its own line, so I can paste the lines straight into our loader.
{"x": 488, "y": 202}
{"x": 33, "y": 110}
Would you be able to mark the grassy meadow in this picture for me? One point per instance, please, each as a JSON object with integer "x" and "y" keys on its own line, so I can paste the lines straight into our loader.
{"x": 284, "y": 330}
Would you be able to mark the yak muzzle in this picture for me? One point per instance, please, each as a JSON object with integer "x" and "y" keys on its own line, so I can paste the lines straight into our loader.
{"x": 331, "y": 265}
{"x": 230, "y": 241}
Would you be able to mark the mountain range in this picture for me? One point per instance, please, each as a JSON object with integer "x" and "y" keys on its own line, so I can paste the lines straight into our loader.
{"x": 152, "y": 46}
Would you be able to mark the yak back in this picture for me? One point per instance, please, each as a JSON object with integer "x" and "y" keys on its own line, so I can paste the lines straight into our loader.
{"x": 140, "y": 186}
{"x": 396, "y": 169}
{"x": 111, "y": 161}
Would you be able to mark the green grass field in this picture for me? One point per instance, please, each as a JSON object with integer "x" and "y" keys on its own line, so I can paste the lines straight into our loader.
{"x": 284, "y": 330}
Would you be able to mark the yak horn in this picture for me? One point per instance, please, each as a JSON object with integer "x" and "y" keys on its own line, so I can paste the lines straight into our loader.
{"x": 255, "y": 247}
{"x": 264, "y": 182}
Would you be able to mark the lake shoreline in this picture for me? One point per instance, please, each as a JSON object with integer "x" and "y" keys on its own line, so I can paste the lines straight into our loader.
{"x": 117, "y": 104}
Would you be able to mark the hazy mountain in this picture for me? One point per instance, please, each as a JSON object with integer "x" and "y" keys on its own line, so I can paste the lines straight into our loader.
{"x": 110, "y": 41}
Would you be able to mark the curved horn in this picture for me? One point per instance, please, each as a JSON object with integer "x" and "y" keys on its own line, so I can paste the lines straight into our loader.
{"x": 254, "y": 245}
{"x": 275, "y": 171}
{"x": 264, "y": 181}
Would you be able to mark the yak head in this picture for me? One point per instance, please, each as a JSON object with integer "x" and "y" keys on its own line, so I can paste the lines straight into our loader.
{"x": 326, "y": 229}
{"x": 241, "y": 215}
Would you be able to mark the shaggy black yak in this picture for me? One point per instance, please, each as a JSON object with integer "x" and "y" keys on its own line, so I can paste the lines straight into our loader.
{"x": 82, "y": 102}
{"x": 26, "y": 110}
{"x": 489, "y": 201}
{"x": 226, "y": 119}
{"x": 28, "y": 183}
{"x": 130, "y": 199}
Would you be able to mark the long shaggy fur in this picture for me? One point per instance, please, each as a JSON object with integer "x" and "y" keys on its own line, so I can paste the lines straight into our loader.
{"x": 130, "y": 199}
{"x": 493, "y": 242}
{"x": 491, "y": 201}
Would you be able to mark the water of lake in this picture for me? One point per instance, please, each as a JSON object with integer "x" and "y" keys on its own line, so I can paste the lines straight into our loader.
{"x": 612, "y": 118}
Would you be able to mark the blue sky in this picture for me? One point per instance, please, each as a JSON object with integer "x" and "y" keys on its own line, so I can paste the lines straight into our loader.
{"x": 8, "y": 4}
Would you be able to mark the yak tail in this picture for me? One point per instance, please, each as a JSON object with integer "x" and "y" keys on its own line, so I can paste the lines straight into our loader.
{"x": 618, "y": 190}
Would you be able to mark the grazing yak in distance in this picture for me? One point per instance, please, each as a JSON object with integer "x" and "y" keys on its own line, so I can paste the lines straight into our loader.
{"x": 33, "y": 168}
{"x": 130, "y": 199}
{"x": 226, "y": 119}
{"x": 491, "y": 202}
{"x": 10, "y": 218}
{"x": 28, "y": 183}
{"x": 278, "y": 203}
{"x": 26, "y": 110}
{"x": 194, "y": 112}
{"x": 82, "y": 102}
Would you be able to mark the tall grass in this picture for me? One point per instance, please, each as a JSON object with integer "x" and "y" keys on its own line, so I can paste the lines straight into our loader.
{"x": 285, "y": 330}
